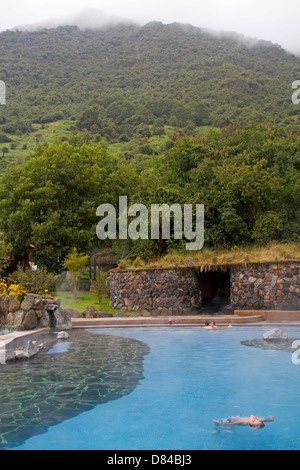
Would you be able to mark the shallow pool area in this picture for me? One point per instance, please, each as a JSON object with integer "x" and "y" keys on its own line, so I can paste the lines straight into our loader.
{"x": 152, "y": 388}
{"x": 4, "y": 330}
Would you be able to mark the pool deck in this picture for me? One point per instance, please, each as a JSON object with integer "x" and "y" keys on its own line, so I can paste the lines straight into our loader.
{"x": 240, "y": 318}
{"x": 9, "y": 337}
{"x": 186, "y": 320}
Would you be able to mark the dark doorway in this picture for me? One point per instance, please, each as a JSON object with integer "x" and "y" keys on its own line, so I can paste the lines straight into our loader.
{"x": 215, "y": 289}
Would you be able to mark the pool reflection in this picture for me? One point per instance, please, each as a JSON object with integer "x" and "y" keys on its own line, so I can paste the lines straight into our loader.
{"x": 64, "y": 380}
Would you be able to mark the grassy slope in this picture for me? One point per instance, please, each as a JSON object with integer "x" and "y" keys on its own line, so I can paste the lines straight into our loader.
{"x": 49, "y": 132}
{"x": 209, "y": 257}
{"x": 53, "y": 131}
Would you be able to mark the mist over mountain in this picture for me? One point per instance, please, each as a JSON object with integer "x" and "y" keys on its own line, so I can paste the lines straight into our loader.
{"x": 141, "y": 100}
{"x": 88, "y": 18}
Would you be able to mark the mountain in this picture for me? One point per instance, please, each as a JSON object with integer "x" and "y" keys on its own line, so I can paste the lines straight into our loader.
{"x": 125, "y": 75}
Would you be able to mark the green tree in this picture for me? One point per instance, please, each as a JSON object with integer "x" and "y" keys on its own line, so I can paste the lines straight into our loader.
{"x": 248, "y": 180}
{"x": 100, "y": 285}
{"x": 90, "y": 120}
{"x": 48, "y": 204}
{"x": 75, "y": 263}
{"x": 118, "y": 111}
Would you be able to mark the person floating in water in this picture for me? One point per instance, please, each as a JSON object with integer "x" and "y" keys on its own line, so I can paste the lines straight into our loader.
{"x": 251, "y": 421}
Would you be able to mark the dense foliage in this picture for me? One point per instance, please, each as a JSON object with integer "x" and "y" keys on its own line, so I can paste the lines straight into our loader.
{"x": 113, "y": 80}
{"x": 146, "y": 93}
{"x": 246, "y": 177}
{"x": 48, "y": 204}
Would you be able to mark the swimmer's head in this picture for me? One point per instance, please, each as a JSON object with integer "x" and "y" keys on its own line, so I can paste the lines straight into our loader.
{"x": 255, "y": 422}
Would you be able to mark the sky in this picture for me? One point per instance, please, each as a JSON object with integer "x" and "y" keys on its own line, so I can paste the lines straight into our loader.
{"x": 277, "y": 21}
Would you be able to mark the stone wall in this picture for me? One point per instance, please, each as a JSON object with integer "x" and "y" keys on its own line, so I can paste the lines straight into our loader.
{"x": 34, "y": 312}
{"x": 159, "y": 291}
{"x": 274, "y": 286}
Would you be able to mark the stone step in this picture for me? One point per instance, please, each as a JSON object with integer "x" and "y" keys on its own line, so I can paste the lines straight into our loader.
{"x": 271, "y": 315}
{"x": 163, "y": 321}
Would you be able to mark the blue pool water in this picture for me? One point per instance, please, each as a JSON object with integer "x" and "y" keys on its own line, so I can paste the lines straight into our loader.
{"x": 191, "y": 376}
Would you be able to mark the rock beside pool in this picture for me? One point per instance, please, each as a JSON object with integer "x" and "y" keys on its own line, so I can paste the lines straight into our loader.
{"x": 274, "y": 339}
{"x": 4, "y": 307}
{"x": 286, "y": 345}
{"x": 101, "y": 314}
{"x": 275, "y": 335}
{"x": 73, "y": 313}
{"x": 62, "y": 335}
{"x": 30, "y": 349}
{"x": 120, "y": 314}
{"x": 89, "y": 312}
{"x": 38, "y": 312}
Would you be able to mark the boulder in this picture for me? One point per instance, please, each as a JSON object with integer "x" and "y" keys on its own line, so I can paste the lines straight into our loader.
{"x": 57, "y": 301}
{"x": 4, "y": 306}
{"x": 38, "y": 302}
{"x": 14, "y": 304}
{"x": 62, "y": 319}
{"x": 28, "y": 303}
{"x": 44, "y": 320}
{"x": 90, "y": 312}
{"x": 275, "y": 335}
{"x": 62, "y": 335}
{"x": 73, "y": 313}
{"x": 37, "y": 312}
{"x": 103, "y": 314}
{"x": 15, "y": 319}
{"x": 30, "y": 320}
{"x": 29, "y": 350}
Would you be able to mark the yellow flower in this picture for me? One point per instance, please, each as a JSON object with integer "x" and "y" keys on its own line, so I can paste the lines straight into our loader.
{"x": 15, "y": 291}
{"x": 3, "y": 288}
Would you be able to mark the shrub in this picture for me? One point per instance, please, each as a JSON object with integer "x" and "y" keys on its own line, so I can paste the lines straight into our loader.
{"x": 35, "y": 282}
{"x": 75, "y": 263}
{"x": 100, "y": 284}
{"x": 4, "y": 139}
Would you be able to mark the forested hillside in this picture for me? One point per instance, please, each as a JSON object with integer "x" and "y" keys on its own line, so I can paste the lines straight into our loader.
{"x": 160, "y": 113}
{"x": 127, "y": 75}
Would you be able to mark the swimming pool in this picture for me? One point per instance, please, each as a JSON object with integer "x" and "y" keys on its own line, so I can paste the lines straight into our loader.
{"x": 179, "y": 380}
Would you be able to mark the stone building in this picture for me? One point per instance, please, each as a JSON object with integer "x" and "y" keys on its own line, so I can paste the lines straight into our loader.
{"x": 207, "y": 289}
